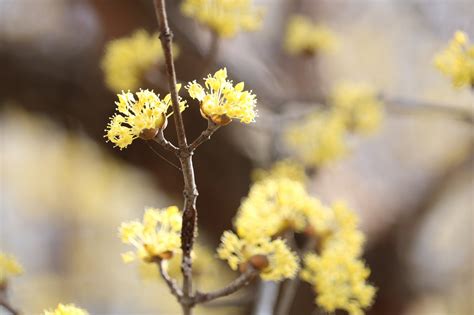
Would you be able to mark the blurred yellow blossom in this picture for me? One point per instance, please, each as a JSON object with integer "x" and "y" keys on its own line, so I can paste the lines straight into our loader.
{"x": 141, "y": 117}
{"x": 9, "y": 267}
{"x": 278, "y": 261}
{"x": 221, "y": 101}
{"x": 339, "y": 281}
{"x": 358, "y": 106}
{"x": 272, "y": 206}
{"x": 224, "y": 17}
{"x": 319, "y": 139}
{"x": 304, "y": 37}
{"x": 68, "y": 309}
{"x": 337, "y": 273}
{"x": 158, "y": 237}
{"x": 457, "y": 61}
{"x": 127, "y": 60}
{"x": 282, "y": 169}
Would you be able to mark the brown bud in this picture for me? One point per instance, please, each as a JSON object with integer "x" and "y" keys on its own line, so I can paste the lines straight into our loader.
{"x": 259, "y": 262}
{"x": 166, "y": 255}
{"x": 150, "y": 133}
{"x": 309, "y": 230}
{"x": 220, "y": 120}
{"x": 243, "y": 267}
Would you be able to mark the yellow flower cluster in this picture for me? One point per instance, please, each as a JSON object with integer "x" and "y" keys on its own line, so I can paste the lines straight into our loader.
{"x": 127, "y": 60}
{"x": 142, "y": 117}
{"x": 278, "y": 262}
{"x": 319, "y": 139}
{"x": 221, "y": 101}
{"x": 457, "y": 61}
{"x": 357, "y": 104}
{"x": 337, "y": 273}
{"x": 68, "y": 309}
{"x": 9, "y": 267}
{"x": 158, "y": 237}
{"x": 339, "y": 281}
{"x": 282, "y": 169}
{"x": 274, "y": 206}
{"x": 305, "y": 38}
{"x": 224, "y": 17}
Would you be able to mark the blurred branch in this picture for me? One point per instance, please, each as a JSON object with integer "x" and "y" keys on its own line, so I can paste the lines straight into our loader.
{"x": 290, "y": 288}
{"x": 410, "y": 105}
{"x": 243, "y": 280}
{"x": 4, "y": 301}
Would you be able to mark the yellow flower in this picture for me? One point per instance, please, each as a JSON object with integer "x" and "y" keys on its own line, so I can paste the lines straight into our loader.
{"x": 9, "y": 267}
{"x": 158, "y": 237}
{"x": 304, "y": 37}
{"x": 272, "y": 206}
{"x": 282, "y": 169}
{"x": 275, "y": 260}
{"x": 68, "y": 309}
{"x": 141, "y": 117}
{"x": 337, "y": 274}
{"x": 457, "y": 61}
{"x": 224, "y": 17}
{"x": 339, "y": 281}
{"x": 358, "y": 106}
{"x": 319, "y": 139}
{"x": 220, "y": 100}
{"x": 127, "y": 60}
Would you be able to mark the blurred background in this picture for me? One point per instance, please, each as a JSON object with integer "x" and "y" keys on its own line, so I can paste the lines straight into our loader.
{"x": 64, "y": 190}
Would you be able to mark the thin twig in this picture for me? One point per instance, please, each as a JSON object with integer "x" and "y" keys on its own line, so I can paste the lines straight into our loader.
{"x": 243, "y": 280}
{"x": 160, "y": 138}
{"x": 9, "y": 308}
{"x": 291, "y": 287}
{"x": 175, "y": 290}
{"x": 4, "y": 301}
{"x": 407, "y": 104}
{"x": 190, "y": 192}
{"x": 205, "y": 135}
{"x": 163, "y": 157}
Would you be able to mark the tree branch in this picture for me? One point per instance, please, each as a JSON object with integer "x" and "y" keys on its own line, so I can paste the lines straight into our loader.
{"x": 243, "y": 280}
{"x": 175, "y": 290}
{"x": 190, "y": 192}
{"x": 160, "y": 139}
{"x": 291, "y": 287}
{"x": 205, "y": 135}
{"x": 4, "y": 301}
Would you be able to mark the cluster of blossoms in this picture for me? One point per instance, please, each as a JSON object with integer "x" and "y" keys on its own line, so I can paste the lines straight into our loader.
{"x": 144, "y": 114}
{"x": 457, "y": 61}
{"x": 288, "y": 169}
{"x": 305, "y": 38}
{"x": 142, "y": 117}
{"x": 221, "y": 101}
{"x": 271, "y": 257}
{"x": 68, "y": 309}
{"x": 9, "y": 267}
{"x": 127, "y": 60}
{"x": 224, "y": 17}
{"x": 357, "y": 104}
{"x": 157, "y": 237}
{"x": 337, "y": 273}
{"x": 277, "y": 203}
{"x": 355, "y": 108}
{"x": 326, "y": 143}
